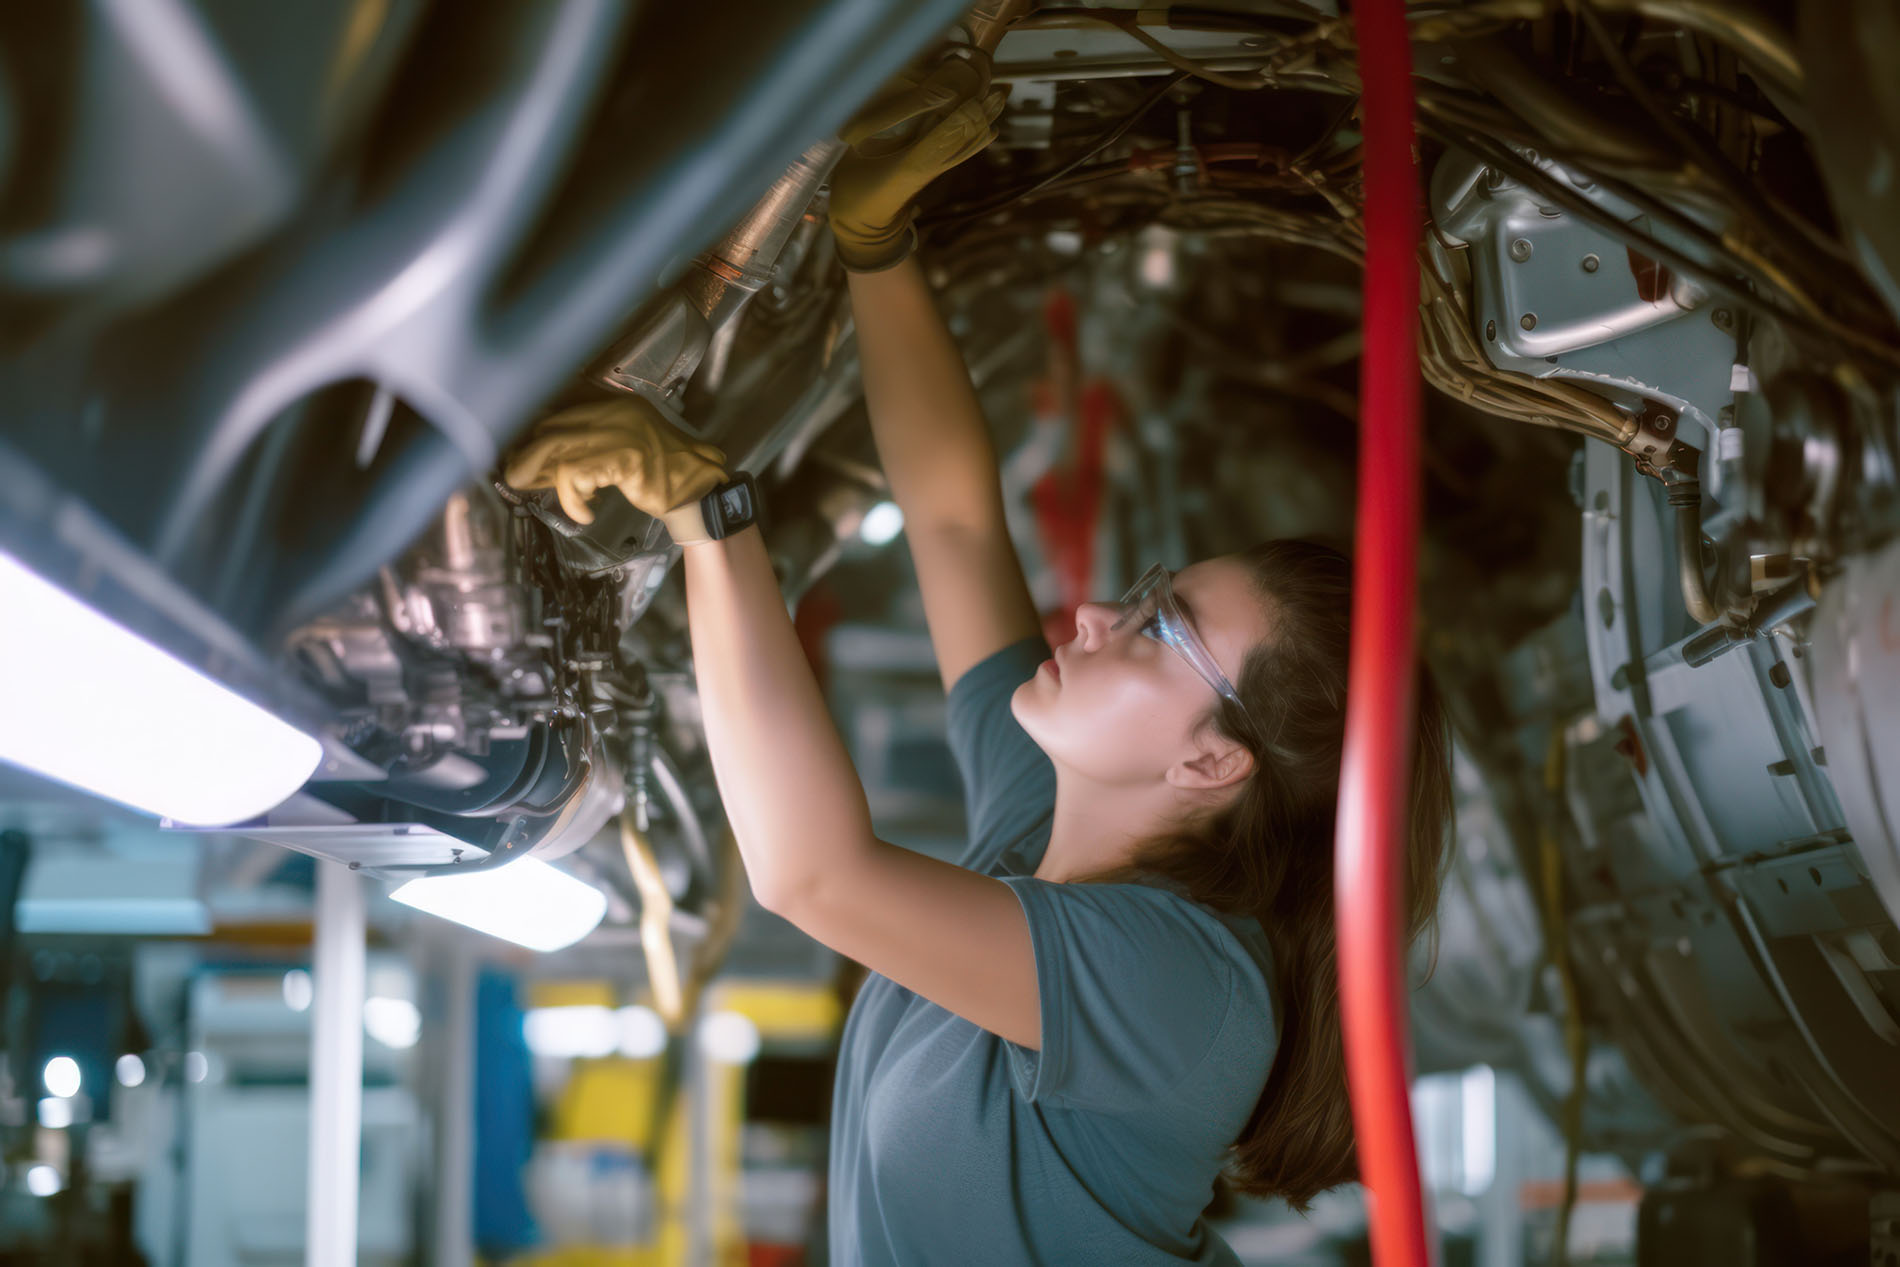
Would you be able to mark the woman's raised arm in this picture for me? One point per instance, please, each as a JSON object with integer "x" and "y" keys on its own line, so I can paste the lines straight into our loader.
{"x": 936, "y": 450}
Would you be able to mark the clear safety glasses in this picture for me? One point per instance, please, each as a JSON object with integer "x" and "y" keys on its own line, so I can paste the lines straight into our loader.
{"x": 1152, "y": 602}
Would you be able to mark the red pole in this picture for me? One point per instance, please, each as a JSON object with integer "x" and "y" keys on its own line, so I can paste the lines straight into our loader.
{"x": 1374, "y": 776}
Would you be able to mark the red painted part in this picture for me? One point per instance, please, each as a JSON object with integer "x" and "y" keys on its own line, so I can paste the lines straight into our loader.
{"x": 1374, "y": 776}
{"x": 1068, "y": 499}
{"x": 1058, "y": 314}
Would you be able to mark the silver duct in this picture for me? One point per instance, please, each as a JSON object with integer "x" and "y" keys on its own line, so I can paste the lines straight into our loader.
{"x": 671, "y": 338}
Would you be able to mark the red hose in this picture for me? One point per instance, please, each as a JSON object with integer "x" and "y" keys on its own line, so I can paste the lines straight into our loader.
{"x": 1374, "y": 776}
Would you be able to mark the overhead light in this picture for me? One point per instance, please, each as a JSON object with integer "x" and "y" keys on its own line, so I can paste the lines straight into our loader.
{"x": 642, "y": 1032}
{"x": 392, "y": 1022}
{"x": 62, "y": 1076}
{"x": 43, "y": 1181}
{"x": 730, "y": 1038}
{"x": 56, "y": 1114}
{"x": 92, "y": 704}
{"x": 299, "y": 990}
{"x": 130, "y": 1069}
{"x": 580, "y": 1031}
{"x": 526, "y": 902}
{"x": 881, "y": 524}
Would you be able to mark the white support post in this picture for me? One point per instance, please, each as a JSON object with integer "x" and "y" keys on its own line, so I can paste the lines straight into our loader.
{"x": 336, "y": 1068}
{"x": 455, "y": 1102}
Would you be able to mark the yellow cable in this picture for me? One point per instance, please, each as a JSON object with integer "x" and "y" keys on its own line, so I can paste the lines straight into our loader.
{"x": 656, "y": 924}
{"x": 1556, "y": 933}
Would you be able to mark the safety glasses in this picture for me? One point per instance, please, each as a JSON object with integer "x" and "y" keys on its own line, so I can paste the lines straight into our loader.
{"x": 1151, "y": 601}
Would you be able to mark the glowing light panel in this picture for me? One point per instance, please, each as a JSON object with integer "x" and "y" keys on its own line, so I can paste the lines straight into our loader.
{"x": 525, "y": 902}
{"x": 92, "y": 704}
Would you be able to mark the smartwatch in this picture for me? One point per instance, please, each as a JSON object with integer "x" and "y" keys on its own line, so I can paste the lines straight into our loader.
{"x": 729, "y": 508}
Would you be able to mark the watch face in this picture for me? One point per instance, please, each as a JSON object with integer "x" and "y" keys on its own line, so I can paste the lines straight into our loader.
{"x": 735, "y": 503}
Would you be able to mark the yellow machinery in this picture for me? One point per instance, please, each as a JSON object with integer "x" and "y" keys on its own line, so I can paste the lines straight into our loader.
{"x": 604, "y": 1114}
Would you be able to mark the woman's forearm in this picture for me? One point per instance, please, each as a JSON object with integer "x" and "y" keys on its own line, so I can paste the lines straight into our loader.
{"x": 931, "y": 437}
{"x": 794, "y": 800}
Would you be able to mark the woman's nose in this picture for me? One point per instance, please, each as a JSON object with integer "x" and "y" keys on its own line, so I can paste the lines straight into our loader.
{"x": 1092, "y": 622}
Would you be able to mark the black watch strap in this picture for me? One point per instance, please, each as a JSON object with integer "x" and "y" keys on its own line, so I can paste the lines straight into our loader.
{"x": 726, "y": 510}
{"x": 731, "y": 507}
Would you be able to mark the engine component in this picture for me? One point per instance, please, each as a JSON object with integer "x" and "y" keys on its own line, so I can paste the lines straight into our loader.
{"x": 1855, "y": 673}
{"x": 464, "y": 594}
{"x": 465, "y": 264}
{"x": 675, "y": 332}
{"x": 1850, "y": 45}
{"x": 1557, "y": 298}
{"x": 1714, "y": 849}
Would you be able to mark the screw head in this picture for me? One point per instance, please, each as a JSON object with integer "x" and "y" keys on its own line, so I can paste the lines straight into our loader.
{"x": 1521, "y": 249}
{"x": 1528, "y": 321}
{"x": 1591, "y": 263}
{"x": 1491, "y": 331}
{"x": 1722, "y": 318}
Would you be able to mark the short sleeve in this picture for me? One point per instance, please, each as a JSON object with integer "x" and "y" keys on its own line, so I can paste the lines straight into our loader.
{"x": 1009, "y": 786}
{"x": 1136, "y": 984}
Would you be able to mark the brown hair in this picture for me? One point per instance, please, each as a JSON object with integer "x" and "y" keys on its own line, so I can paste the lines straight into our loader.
{"x": 1269, "y": 854}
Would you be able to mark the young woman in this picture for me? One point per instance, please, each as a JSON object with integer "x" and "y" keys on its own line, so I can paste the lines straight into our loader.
{"x": 1125, "y": 985}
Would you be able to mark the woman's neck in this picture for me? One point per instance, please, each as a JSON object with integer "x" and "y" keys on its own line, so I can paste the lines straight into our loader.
{"x": 1099, "y": 827}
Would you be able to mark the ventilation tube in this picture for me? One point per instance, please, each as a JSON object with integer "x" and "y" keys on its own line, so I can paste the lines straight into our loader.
{"x": 1375, "y": 774}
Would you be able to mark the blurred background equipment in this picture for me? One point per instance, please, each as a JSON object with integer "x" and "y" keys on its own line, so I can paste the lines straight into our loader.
{"x": 280, "y": 285}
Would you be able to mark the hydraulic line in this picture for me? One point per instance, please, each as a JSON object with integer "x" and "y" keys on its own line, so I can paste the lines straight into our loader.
{"x": 1685, "y": 502}
{"x": 1374, "y": 775}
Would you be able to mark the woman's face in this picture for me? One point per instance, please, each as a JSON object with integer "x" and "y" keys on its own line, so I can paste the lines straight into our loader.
{"x": 1121, "y": 708}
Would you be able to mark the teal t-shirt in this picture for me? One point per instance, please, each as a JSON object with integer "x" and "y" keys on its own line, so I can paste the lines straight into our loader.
{"x": 952, "y": 1145}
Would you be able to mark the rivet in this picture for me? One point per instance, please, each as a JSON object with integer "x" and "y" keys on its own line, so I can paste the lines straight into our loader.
{"x": 1591, "y": 263}
{"x": 1528, "y": 321}
{"x": 1491, "y": 331}
{"x": 1521, "y": 249}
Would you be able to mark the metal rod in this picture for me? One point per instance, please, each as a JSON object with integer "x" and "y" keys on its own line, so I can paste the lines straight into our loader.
{"x": 336, "y": 1069}
{"x": 455, "y": 1105}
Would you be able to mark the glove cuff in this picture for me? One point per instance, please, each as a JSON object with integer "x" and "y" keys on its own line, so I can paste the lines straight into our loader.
{"x": 686, "y": 524}
{"x": 874, "y": 254}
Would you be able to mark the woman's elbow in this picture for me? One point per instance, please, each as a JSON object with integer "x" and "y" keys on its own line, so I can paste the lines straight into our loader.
{"x": 780, "y": 895}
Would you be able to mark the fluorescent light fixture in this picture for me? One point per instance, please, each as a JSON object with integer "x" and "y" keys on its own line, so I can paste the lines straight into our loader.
{"x": 526, "y": 902}
{"x": 392, "y": 1022}
{"x": 583, "y": 1031}
{"x": 130, "y": 1069}
{"x": 729, "y": 1038}
{"x": 56, "y": 1114}
{"x": 62, "y": 1076}
{"x": 1478, "y": 1133}
{"x": 642, "y": 1032}
{"x": 90, "y": 703}
{"x": 881, "y": 524}
{"x": 43, "y": 1181}
{"x": 299, "y": 990}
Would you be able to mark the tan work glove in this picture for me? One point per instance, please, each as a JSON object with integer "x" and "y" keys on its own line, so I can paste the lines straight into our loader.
{"x": 624, "y": 442}
{"x": 878, "y": 179}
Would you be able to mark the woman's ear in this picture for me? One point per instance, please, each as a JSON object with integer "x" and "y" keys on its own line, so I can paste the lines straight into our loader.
{"x": 1219, "y": 764}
